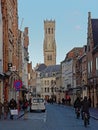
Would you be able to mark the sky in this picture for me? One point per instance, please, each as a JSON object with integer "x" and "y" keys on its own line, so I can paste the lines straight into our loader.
{"x": 71, "y": 22}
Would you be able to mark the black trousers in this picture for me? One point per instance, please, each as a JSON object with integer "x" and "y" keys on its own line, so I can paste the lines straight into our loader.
{"x": 11, "y": 117}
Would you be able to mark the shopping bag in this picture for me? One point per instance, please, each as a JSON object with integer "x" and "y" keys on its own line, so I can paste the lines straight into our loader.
{"x": 14, "y": 112}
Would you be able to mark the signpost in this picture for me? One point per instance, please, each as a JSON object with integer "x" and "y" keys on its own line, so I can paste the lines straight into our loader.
{"x": 17, "y": 84}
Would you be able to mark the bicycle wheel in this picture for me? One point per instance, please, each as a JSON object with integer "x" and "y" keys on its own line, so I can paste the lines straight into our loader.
{"x": 85, "y": 120}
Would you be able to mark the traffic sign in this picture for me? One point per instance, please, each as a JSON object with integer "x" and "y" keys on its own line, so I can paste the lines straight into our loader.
{"x": 17, "y": 84}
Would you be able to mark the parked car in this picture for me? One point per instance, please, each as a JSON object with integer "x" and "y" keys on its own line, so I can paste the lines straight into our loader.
{"x": 37, "y": 104}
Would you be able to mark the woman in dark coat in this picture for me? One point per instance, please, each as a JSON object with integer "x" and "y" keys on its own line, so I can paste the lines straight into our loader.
{"x": 12, "y": 105}
{"x": 77, "y": 103}
{"x": 85, "y": 107}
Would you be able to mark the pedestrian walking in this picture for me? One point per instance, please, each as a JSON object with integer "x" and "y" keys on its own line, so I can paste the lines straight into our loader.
{"x": 25, "y": 107}
{"x": 1, "y": 105}
{"x": 89, "y": 99}
{"x": 77, "y": 106}
{"x": 6, "y": 108}
{"x": 85, "y": 108}
{"x": 12, "y": 106}
{"x": 63, "y": 101}
{"x": 77, "y": 103}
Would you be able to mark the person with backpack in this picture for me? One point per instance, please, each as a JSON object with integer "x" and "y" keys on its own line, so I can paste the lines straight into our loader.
{"x": 77, "y": 106}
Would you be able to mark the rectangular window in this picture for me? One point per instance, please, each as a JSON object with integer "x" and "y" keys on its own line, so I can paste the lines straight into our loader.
{"x": 45, "y": 90}
{"x": 96, "y": 63}
{"x": 89, "y": 67}
{"x": 48, "y": 90}
{"x": 48, "y": 30}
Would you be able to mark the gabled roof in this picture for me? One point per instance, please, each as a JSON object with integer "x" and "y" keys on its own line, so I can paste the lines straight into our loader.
{"x": 95, "y": 31}
{"x": 52, "y": 68}
{"x": 41, "y": 67}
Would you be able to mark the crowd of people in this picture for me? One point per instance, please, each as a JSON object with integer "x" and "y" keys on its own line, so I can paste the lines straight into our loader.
{"x": 6, "y": 107}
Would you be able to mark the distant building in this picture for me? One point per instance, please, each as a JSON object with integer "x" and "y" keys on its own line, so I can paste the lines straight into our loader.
{"x": 92, "y": 59}
{"x": 70, "y": 73}
{"x": 49, "y": 46}
{"x": 39, "y": 69}
{"x": 48, "y": 81}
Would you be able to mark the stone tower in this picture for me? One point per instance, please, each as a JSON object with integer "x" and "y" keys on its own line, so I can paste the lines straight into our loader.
{"x": 49, "y": 46}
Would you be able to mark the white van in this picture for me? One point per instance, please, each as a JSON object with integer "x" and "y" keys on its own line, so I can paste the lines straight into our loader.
{"x": 37, "y": 104}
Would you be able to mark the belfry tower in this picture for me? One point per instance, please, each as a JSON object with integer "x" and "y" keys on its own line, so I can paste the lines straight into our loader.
{"x": 49, "y": 46}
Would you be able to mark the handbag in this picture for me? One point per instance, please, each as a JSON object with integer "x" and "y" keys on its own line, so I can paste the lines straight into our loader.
{"x": 14, "y": 112}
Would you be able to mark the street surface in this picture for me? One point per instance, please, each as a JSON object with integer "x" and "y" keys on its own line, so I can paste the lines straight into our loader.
{"x": 56, "y": 117}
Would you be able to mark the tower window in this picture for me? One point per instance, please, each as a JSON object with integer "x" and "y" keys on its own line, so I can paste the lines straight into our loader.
{"x": 49, "y": 30}
{"x": 49, "y": 57}
{"x": 52, "y": 30}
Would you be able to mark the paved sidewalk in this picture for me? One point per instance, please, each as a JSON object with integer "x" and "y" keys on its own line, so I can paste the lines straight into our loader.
{"x": 94, "y": 113}
{"x": 21, "y": 113}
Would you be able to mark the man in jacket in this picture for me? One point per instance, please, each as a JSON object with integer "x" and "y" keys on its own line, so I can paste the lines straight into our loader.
{"x": 85, "y": 107}
{"x": 12, "y": 106}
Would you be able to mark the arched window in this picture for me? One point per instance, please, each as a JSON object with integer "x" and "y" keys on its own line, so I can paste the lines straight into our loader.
{"x": 49, "y": 30}
{"x": 52, "y": 30}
